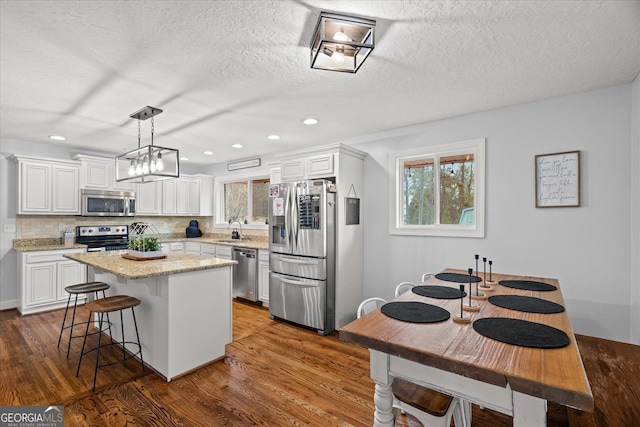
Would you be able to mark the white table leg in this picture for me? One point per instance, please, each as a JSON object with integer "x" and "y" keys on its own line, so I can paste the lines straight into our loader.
{"x": 529, "y": 411}
{"x": 383, "y": 399}
{"x": 383, "y": 396}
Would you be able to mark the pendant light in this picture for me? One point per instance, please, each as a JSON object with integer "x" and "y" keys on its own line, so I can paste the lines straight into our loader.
{"x": 148, "y": 163}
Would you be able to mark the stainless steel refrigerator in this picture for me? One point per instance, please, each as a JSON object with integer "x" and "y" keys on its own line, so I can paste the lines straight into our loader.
{"x": 302, "y": 253}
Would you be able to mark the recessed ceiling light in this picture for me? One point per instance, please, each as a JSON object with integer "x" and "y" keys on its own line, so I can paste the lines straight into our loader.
{"x": 273, "y": 137}
{"x": 184, "y": 158}
{"x": 237, "y": 145}
{"x": 310, "y": 121}
{"x": 208, "y": 153}
{"x": 57, "y": 137}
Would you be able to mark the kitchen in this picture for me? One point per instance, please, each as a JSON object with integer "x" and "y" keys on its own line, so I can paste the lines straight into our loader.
{"x": 601, "y": 121}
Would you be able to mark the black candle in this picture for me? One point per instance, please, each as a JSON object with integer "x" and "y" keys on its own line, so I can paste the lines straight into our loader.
{"x": 484, "y": 260}
{"x": 490, "y": 263}
{"x": 461, "y": 299}
{"x": 477, "y": 257}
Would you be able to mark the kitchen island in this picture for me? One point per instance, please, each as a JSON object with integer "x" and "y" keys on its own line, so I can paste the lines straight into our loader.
{"x": 184, "y": 319}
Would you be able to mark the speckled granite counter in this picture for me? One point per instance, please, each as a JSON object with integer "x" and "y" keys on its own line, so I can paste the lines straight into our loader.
{"x": 113, "y": 262}
{"x": 51, "y": 244}
{"x": 32, "y": 245}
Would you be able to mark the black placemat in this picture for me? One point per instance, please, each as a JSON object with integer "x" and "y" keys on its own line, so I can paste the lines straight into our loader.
{"x": 457, "y": 277}
{"x": 521, "y": 332}
{"x": 526, "y": 304}
{"x": 528, "y": 285}
{"x": 415, "y": 312}
{"x": 439, "y": 292}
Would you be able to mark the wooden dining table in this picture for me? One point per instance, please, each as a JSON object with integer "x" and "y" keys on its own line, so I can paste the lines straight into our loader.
{"x": 453, "y": 358}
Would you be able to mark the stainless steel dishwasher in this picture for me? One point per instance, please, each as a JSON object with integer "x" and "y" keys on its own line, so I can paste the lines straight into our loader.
{"x": 245, "y": 274}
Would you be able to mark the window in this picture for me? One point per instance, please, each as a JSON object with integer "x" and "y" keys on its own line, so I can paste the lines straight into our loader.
{"x": 438, "y": 190}
{"x": 244, "y": 200}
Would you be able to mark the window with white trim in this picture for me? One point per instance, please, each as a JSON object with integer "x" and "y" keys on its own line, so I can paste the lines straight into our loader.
{"x": 438, "y": 190}
{"x": 243, "y": 199}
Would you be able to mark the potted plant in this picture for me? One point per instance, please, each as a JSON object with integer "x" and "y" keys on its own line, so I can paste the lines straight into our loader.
{"x": 144, "y": 247}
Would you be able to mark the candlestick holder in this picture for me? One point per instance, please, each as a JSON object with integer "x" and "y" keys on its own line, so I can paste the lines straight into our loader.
{"x": 462, "y": 318}
{"x": 485, "y": 286}
{"x": 490, "y": 281}
{"x": 470, "y": 306}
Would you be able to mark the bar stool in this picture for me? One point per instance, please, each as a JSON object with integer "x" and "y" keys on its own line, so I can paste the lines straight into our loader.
{"x": 81, "y": 288}
{"x": 108, "y": 305}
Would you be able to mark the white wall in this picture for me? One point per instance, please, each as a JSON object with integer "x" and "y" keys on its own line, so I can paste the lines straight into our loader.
{"x": 586, "y": 248}
{"x": 635, "y": 212}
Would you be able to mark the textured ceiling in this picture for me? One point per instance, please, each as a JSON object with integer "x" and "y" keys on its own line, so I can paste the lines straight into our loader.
{"x": 228, "y": 72}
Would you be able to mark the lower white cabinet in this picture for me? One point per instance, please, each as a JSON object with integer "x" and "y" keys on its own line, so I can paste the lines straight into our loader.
{"x": 192, "y": 248}
{"x": 173, "y": 247}
{"x": 42, "y": 277}
{"x": 263, "y": 276}
{"x": 223, "y": 252}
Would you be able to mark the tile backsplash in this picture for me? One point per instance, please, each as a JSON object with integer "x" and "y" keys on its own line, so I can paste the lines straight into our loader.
{"x": 50, "y": 226}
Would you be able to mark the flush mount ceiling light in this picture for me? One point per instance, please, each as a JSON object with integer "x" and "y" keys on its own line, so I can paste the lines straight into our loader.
{"x": 310, "y": 121}
{"x": 237, "y": 145}
{"x": 57, "y": 138}
{"x": 148, "y": 163}
{"x": 341, "y": 42}
{"x": 273, "y": 137}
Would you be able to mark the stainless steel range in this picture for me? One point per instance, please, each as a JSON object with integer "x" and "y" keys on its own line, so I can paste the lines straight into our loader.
{"x": 103, "y": 237}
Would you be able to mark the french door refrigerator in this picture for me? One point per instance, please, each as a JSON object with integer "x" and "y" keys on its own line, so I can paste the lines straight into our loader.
{"x": 302, "y": 253}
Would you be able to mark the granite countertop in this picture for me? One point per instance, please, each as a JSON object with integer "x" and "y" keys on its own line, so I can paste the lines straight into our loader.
{"x": 113, "y": 262}
{"x": 52, "y": 244}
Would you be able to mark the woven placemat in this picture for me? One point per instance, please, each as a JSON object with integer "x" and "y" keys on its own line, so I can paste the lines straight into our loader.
{"x": 528, "y": 285}
{"x": 457, "y": 277}
{"x": 521, "y": 332}
{"x": 439, "y": 292}
{"x": 415, "y": 312}
{"x": 526, "y": 304}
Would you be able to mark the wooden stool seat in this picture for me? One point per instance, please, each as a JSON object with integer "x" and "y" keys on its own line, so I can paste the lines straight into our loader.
{"x": 105, "y": 306}
{"x": 86, "y": 288}
{"x": 111, "y": 304}
{"x": 77, "y": 289}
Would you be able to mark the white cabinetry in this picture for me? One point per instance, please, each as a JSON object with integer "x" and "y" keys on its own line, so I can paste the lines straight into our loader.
{"x": 149, "y": 198}
{"x": 223, "y": 252}
{"x": 318, "y": 166}
{"x": 42, "y": 277}
{"x": 47, "y": 186}
{"x": 99, "y": 173}
{"x": 192, "y": 248}
{"x": 172, "y": 247}
{"x": 188, "y": 195}
{"x": 263, "y": 276}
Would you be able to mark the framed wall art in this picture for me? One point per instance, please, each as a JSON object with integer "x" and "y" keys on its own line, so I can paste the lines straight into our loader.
{"x": 558, "y": 180}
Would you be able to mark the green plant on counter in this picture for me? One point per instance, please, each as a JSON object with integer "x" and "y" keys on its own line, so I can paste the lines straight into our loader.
{"x": 144, "y": 244}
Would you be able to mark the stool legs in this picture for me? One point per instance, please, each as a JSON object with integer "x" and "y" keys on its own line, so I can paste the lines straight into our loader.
{"x": 98, "y": 348}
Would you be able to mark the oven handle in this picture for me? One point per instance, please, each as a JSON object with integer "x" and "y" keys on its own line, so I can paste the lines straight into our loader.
{"x": 96, "y": 249}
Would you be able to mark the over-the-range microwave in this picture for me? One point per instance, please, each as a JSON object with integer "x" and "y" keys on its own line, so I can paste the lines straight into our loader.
{"x": 107, "y": 203}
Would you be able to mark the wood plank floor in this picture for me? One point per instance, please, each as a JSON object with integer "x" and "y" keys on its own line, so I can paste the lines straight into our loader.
{"x": 274, "y": 374}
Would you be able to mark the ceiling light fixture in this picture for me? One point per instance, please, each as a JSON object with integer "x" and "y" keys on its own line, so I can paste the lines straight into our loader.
{"x": 208, "y": 153}
{"x": 310, "y": 121}
{"x": 237, "y": 145}
{"x": 57, "y": 137}
{"x": 273, "y": 137}
{"x": 148, "y": 163}
{"x": 341, "y": 42}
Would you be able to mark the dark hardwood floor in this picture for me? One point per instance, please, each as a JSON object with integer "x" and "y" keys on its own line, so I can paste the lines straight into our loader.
{"x": 274, "y": 374}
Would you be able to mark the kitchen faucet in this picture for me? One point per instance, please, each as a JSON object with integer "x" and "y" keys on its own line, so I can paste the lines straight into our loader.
{"x": 240, "y": 224}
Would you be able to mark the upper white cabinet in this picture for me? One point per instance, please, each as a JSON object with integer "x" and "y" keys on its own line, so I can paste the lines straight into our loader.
{"x": 149, "y": 198}
{"x": 99, "y": 173}
{"x": 188, "y": 195}
{"x": 48, "y": 186}
{"x": 307, "y": 167}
